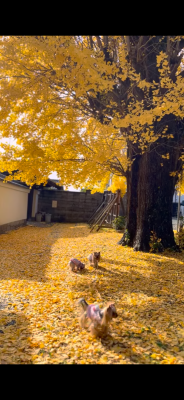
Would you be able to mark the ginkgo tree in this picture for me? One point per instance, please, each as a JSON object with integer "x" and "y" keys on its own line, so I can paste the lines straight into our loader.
{"x": 91, "y": 106}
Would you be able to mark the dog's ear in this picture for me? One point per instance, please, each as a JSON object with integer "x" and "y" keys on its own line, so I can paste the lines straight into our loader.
{"x": 110, "y": 311}
{"x": 110, "y": 304}
{"x": 113, "y": 310}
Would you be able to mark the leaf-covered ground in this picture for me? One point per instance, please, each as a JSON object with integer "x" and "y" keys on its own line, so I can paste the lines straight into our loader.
{"x": 38, "y": 295}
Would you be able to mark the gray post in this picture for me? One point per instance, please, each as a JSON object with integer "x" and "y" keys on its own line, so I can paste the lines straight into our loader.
{"x": 178, "y": 216}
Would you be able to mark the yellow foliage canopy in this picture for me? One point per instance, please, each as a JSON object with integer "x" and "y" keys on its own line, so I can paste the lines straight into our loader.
{"x": 180, "y": 185}
{"x": 118, "y": 182}
{"x": 71, "y": 104}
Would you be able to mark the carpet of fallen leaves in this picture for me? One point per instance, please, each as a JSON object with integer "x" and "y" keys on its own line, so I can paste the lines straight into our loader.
{"x": 38, "y": 295}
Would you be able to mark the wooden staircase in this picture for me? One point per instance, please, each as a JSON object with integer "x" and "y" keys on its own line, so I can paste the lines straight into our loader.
{"x": 107, "y": 211}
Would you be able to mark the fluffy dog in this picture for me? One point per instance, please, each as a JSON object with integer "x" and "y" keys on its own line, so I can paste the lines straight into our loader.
{"x": 94, "y": 259}
{"x": 76, "y": 265}
{"x": 99, "y": 319}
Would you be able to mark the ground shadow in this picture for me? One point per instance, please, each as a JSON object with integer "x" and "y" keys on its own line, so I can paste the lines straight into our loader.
{"x": 125, "y": 282}
{"x": 110, "y": 261}
{"x": 26, "y": 252}
{"x": 14, "y": 333}
{"x": 159, "y": 309}
{"x": 133, "y": 343}
{"x": 75, "y": 230}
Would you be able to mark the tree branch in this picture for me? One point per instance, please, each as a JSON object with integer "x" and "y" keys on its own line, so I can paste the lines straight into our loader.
{"x": 99, "y": 43}
{"x": 127, "y": 40}
{"x": 105, "y": 39}
{"x": 91, "y": 41}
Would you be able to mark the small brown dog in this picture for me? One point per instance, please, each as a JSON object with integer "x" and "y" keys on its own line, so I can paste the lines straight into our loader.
{"x": 94, "y": 259}
{"x": 76, "y": 265}
{"x": 100, "y": 319}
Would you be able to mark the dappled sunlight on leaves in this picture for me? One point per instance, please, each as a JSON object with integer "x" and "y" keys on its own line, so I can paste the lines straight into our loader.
{"x": 39, "y": 294}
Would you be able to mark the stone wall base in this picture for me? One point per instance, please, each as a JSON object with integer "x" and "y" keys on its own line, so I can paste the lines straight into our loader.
{"x": 12, "y": 225}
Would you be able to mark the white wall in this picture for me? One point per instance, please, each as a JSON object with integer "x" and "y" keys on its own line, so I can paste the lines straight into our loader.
{"x": 13, "y": 203}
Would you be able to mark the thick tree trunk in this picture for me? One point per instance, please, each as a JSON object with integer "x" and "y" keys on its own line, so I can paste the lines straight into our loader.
{"x": 132, "y": 200}
{"x": 150, "y": 190}
{"x": 155, "y": 194}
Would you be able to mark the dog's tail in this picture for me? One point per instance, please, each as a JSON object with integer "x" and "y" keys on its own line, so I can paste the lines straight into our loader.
{"x": 83, "y": 303}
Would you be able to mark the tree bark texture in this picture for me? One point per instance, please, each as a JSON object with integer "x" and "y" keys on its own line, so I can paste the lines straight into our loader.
{"x": 150, "y": 189}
